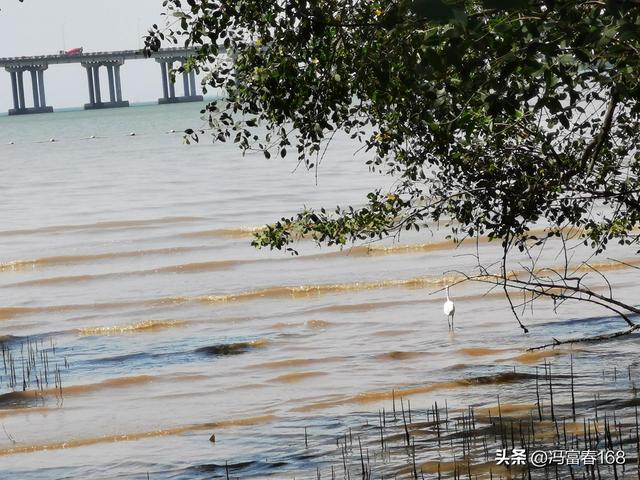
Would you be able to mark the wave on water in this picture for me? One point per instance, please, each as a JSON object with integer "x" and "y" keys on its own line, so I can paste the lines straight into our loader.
{"x": 106, "y": 225}
{"x": 531, "y": 358}
{"x": 294, "y": 362}
{"x": 483, "y": 351}
{"x": 319, "y": 289}
{"x": 144, "y": 326}
{"x": 238, "y": 232}
{"x": 200, "y": 266}
{"x": 77, "y": 259}
{"x": 20, "y": 398}
{"x": 397, "y": 249}
{"x": 11, "y": 312}
{"x": 62, "y": 279}
{"x": 161, "y": 432}
{"x": 184, "y": 268}
{"x": 26, "y": 397}
{"x": 296, "y": 377}
{"x": 366, "y": 307}
{"x": 368, "y": 397}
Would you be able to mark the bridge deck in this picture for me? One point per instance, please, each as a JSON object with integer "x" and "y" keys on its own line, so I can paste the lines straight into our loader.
{"x": 92, "y": 57}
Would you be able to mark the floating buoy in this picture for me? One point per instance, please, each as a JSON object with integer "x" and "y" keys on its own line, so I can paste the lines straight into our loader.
{"x": 11, "y": 142}
{"x": 132, "y": 134}
{"x": 172, "y": 131}
{"x": 52, "y": 139}
{"x": 92, "y": 136}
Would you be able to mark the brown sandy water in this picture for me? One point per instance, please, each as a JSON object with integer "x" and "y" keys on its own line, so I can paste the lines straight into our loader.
{"x": 126, "y": 260}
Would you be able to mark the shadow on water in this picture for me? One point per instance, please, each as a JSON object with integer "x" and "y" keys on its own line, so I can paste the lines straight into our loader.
{"x": 233, "y": 470}
{"x": 143, "y": 359}
{"x": 42, "y": 377}
{"x": 587, "y": 326}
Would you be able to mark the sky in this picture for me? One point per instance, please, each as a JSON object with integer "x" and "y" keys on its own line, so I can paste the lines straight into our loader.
{"x": 39, "y": 27}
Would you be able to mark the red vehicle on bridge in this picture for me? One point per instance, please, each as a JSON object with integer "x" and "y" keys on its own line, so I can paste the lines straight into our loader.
{"x": 72, "y": 51}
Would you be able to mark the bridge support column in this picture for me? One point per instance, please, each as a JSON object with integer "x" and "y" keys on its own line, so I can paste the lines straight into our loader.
{"x": 118, "y": 84}
{"x": 92, "y": 94}
{"x": 168, "y": 87}
{"x": 43, "y": 100}
{"x": 192, "y": 82}
{"x": 115, "y": 85}
{"x": 37, "y": 89}
{"x": 21, "y": 104}
{"x": 14, "y": 89}
{"x": 96, "y": 83}
{"x": 165, "y": 80}
{"x": 172, "y": 85}
{"x": 112, "y": 84}
{"x": 34, "y": 88}
{"x": 185, "y": 84}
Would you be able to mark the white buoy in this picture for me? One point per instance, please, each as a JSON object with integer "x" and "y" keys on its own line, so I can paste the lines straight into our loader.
{"x": 172, "y": 131}
{"x": 92, "y": 136}
{"x": 52, "y": 140}
{"x": 11, "y": 142}
{"x": 132, "y": 134}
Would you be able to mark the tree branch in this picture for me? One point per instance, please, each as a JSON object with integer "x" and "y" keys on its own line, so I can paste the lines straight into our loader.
{"x": 597, "y": 338}
{"x": 594, "y": 147}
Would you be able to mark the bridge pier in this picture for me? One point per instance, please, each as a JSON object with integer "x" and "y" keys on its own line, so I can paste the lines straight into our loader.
{"x": 96, "y": 84}
{"x": 34, "y": 89}
{"x": 118, "y": 83}
{"x": 37, "y": 89}
{"x": 115, "y": 85}
{"x": 168, "y": 87}
{"x": 43, "y": 100}
{"x": 93, "y": 63}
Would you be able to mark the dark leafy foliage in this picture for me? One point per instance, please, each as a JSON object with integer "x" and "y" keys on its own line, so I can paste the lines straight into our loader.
{"x": 497, "y": 115}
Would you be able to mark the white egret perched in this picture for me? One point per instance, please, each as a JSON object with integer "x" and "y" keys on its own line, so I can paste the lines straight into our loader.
{"x": 449, "y": 310}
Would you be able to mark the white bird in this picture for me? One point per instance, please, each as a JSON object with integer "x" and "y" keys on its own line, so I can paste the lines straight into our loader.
{"x": 449, "y": 310}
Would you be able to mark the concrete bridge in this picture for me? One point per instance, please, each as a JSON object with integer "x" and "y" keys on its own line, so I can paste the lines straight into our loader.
{"x": 92, "y": 62}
